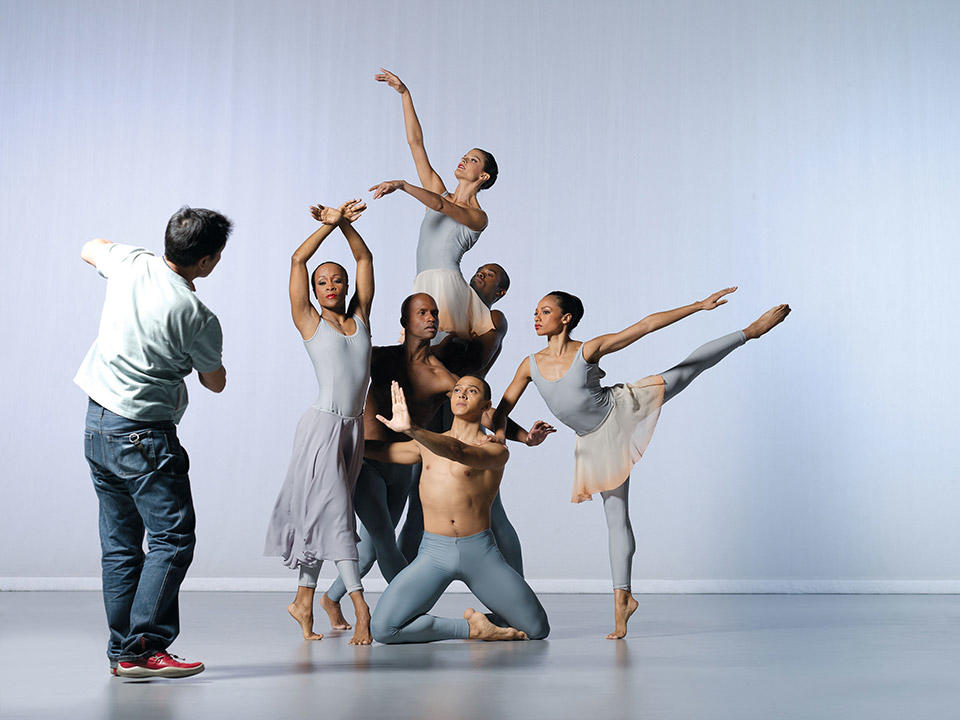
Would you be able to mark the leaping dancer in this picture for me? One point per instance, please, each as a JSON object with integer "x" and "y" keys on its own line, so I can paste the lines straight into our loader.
{"x": 613, "y": 424}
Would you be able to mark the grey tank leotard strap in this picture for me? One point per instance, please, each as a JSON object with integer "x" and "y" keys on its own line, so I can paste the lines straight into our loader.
{"x": 576, "y": 398}
{"x": 443, "y": 241}
{"x": 401, "y": 612}
{"x": 342, "y": 365}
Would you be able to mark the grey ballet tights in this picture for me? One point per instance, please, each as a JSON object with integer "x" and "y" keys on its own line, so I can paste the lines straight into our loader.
{"x": 616, "y": 504}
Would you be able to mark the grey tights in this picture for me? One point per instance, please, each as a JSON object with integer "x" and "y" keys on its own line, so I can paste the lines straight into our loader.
{"x": 616, "y": 502}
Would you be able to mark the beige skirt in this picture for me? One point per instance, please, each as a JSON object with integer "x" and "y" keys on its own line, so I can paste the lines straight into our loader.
{"x": 462, "y": 312}
{"x": 603, "y": 458}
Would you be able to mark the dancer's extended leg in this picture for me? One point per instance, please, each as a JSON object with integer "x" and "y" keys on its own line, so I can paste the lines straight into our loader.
{"x": 616, "y": 502}
{"x": 616, "y": 505}
{"x": 706, "y": 356}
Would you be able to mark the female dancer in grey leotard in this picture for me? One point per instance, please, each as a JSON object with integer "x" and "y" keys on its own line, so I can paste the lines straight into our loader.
{"x": 313, "y": 519}
{"x": 613, "y": 424}
{"x": 451, "y": 226}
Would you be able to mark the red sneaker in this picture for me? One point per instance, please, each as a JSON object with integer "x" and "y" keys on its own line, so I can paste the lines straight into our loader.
{"x": 160, "y": 664}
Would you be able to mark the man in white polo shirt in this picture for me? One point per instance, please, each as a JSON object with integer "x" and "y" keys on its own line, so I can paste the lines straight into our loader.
{"x": 154, "y": 331}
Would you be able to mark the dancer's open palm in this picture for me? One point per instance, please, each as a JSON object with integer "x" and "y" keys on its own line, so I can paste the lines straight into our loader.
{"x": 385, "y": 76}
{"x": 400, "y": 422}
{"x": 714, "y": 300}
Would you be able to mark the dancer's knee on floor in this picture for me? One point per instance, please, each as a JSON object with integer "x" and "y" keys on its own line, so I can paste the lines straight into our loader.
{"x": 539, "y": 629}
{"x": 384, "y": 631}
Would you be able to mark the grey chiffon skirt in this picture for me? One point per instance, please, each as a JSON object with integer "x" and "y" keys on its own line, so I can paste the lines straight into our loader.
{"x": 313, "y": 518}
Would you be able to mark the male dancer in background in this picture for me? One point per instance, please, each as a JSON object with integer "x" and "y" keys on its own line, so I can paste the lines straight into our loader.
{"x": 474, "y": 357}
{"x": 153, "y": 333}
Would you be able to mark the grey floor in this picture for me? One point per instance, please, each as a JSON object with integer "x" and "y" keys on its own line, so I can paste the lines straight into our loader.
{"x": 688, "y": 656}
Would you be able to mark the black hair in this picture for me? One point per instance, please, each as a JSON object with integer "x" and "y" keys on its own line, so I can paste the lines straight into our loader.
{"x": 405, "y": 306}
{"x": 569, "y": 304}
{"x": 490, "y": 168}
{"x": 313, "y": 277}
{"x": 504, "y": 283}
{"x": 195, "y": 233}
{"x": 487, "y": 392}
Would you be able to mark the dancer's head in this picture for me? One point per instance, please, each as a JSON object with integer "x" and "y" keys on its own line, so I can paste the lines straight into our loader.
{"x": 470, "y": 398}
{"x": 477, "y": 166}
{"x": 557, "y": 313}
{"x": 490, "y": 282}
{"x": 195, "y": 238}
{"x": 419, "y": 316}
{"x": 330, "y": 285}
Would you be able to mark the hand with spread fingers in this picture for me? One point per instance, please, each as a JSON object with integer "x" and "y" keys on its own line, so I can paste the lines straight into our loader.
{"x": 538, "y": 433}
{"x": 400, "y": 422}
{"x": 714, "y": 300}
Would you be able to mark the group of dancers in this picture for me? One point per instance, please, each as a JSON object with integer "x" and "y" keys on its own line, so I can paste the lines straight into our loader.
{"x": 411, "y": 425}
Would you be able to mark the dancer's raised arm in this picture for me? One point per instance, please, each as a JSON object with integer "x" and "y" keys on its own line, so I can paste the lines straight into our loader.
{"x": 489, "y": 456}
{"x": 305, "y": 315}
{"x": 362, "y": 299}
{"x": 602, "y": 345}
{"x": 473, "y": 217}
{"x": 428, "y": 176}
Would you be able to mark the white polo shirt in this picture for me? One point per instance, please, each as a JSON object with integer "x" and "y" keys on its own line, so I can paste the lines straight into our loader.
{"x": 153, "y": 333}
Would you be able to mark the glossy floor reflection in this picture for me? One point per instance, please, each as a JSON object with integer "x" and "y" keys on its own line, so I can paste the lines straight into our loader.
{"x": 688, "y": 656}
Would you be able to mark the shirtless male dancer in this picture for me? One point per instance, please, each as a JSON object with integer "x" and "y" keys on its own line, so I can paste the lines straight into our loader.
{"x": 462, "y": 470}
{"x": 382, "y": 487}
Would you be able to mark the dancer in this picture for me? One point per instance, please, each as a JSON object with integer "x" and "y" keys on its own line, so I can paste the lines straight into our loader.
{"x": 154, "y": 331}
{"x": 451, "y": 226}
{"x": 313, "y": 519}
{"x": 474, "y": 357}
{"x": 461, "y": 475}
{"x": 383, "y": 487}
{"x": 613, "y": 424}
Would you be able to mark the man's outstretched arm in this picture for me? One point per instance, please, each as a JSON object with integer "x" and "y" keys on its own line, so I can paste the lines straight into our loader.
{"x": 489, "y": 456}
{"x": 91, "y": 250}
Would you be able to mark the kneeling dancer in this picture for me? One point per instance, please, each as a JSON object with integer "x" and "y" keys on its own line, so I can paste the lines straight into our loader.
{"x": 462, "y": 470}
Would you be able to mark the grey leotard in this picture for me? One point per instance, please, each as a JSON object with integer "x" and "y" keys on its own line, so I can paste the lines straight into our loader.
{"x": 443, "y": 241}
{"x": 342, "y": 365}
{"x": 576, "y": 398}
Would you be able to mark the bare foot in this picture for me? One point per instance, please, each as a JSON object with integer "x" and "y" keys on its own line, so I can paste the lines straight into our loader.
{"x": 361, "y": 636}
{"x": 483, "y": 629}
{"x": 766, "y": 322}
{"x": 304, "y": 618}
{"x": 624, "y": 605}
{"x": 337, "y": 620}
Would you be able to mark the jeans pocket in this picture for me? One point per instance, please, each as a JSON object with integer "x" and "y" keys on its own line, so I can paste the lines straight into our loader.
{"x": 132, "y": 454}
{"x": 172, "y": 459}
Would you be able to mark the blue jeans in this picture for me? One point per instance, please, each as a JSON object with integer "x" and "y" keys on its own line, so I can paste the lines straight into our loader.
{"x": 139, "y": 471}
